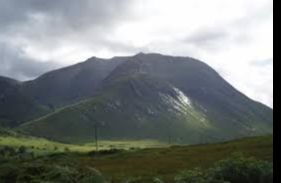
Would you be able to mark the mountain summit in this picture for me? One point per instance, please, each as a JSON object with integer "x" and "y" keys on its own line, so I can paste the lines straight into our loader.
{"x": 146, "y": 96}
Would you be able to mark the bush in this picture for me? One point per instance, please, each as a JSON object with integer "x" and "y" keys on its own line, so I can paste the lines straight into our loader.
{"x": 7, "y": 151}
{"x": 66, "y": 149}
{"x": 61, "y": 174}
{"x": 157, "y": 180}
{"x": 105, "y": 152}
{"x": 22, "y": 150}
{"x": 93, "y": 179}
{"x": 8, "y": 173}
{"x": 236, "y": 169}
{"x": 243, "y": 170}
{"x": 191, "y": 176}
{"x": 41, "y": 172}
{"x": 56, "y": 148}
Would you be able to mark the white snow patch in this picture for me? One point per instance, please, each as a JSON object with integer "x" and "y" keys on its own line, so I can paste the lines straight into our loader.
{"x": 180, "y": 103}
{"x": 172, "y": 102}
{"x": 183, "y": 98}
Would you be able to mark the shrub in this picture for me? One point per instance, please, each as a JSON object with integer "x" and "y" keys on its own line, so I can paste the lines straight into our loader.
{"x": 66, "y": 149}
{"x": 236, "y": 169}
{"x": 56, "y": 148}
{"x": 243, "y": 170}
{"x": 105, "y": 152}
{"x": 61, "y": 174}
{"x": 22, "y": 150}
{"x": 8, "y": 173}
{"x": 191, "y": 176}
{"x": 93, "y": 179}
{"x": 157, "y": 180}
{"x": 92, "y": 175}
{"x": 7, "y": 151}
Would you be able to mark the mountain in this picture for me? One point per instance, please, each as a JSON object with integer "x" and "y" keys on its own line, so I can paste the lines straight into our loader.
{"x": 147, "y": 96}
{"x": 15, "y": 106}
{"x": 71, "y": 84}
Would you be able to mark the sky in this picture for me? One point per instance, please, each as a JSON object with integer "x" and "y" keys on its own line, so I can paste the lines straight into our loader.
{"x": 235, "y": 37}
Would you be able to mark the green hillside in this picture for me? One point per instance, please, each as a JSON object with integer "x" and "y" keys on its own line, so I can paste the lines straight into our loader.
{"x": 150, "y": 111}
{"x": 171, "y": 99}
{"x": 15, "y": 106}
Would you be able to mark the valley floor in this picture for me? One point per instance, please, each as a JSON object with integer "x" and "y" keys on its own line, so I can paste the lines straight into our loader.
{"x": 130, "y": 165}
{"x": 167, "y": 162}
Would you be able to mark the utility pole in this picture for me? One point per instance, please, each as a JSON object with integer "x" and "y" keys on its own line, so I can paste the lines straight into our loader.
{"x": 89, "y": 118}
{"x": 96, "y": 138}
{"x": 170, "y": 139}
{"x": 169, "y": 132}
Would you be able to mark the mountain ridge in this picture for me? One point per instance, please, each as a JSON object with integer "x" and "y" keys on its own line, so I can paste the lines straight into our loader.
{"x": 120, "y": 57}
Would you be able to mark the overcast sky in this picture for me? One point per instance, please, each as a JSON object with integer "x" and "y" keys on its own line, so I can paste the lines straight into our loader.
{"x": 235, "y": 37}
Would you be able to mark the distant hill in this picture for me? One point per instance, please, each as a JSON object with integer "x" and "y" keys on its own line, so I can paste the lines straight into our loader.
{"x": 15, "y": 106}
{"x": 147, "y": 96}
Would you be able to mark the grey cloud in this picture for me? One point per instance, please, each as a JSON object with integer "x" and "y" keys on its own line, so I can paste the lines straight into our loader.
{"x": 71, "y": 12}
{"x": 236, "y": 31}
{"x": 15, "y": 64}
{"x": 263, "y": 63}
{"x": 255, "y": 16}
{"x": 208, "y": 38}
{"x": 43, "y": 20}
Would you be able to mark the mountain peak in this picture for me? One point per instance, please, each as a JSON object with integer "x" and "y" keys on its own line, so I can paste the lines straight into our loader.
{"x": 148, "y": 54}
{"x": 140, "y": 54}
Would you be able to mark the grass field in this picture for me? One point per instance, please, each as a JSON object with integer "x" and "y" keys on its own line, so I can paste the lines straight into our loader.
{"x": 155, "y": 160}
{"x": 43, "y": 146}
{"x": 167, "y": 162}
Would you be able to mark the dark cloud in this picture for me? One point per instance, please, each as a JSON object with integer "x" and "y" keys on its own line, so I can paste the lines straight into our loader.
{"x": 202, "y": 37}
{"x": 52, "y": 25}
{"x": 68, "y": 12}
{"x": 43, "y": 20}
{"x": 15, "y": 64}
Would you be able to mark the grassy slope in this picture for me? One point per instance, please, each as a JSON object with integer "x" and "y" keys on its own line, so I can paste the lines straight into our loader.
{"x": 131, "y": 116}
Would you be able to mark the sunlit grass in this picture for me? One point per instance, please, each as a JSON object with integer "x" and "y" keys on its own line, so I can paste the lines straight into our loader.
{"x": 44, "y": 146}
{"x": 129, "y": 144}
{"x": 39, "y": 145}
